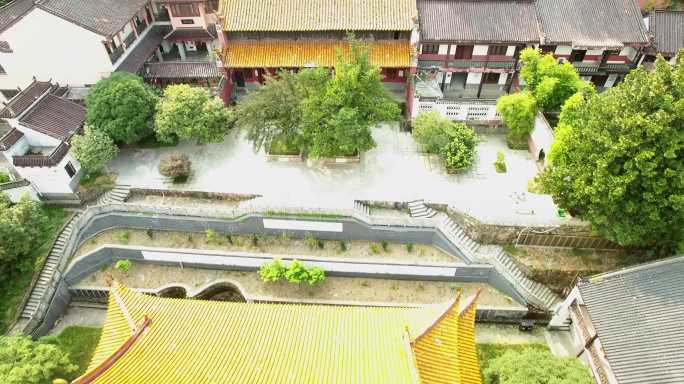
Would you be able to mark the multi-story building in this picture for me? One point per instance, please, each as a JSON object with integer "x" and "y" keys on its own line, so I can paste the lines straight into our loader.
{"x": 75, "y": 42}
{"x": 469, "y": 49}
{"x": 292, "y": 34}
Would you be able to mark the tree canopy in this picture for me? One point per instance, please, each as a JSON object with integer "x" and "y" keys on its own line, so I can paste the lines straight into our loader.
{"x": 337, "y": 117}
{"x": 21, "y": 227}
{"x": 518, "y": 111}
{"x": 122, "y": 106}
{"x": 23, "y": 361}
{"x": 274, "y": 111}
{"x": 190, "y": 112}
{"x": 93, "y": 150}
{"x": 535, "y": 366}
{"x": 618, "y": 158}
{"x": 454, "y": 141}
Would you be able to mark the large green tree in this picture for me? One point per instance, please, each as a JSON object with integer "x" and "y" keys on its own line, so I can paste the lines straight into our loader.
{"x": 23, "y": 361}
{"x": 190, "y": 112}
{"x": 336, "y": 119}
{"x": 550, "y": 82}
{"x": 518, "y": 111}
{"x": 93, "y": 150}
{"x": 21, "y": 227}
{"x": 273, "y": 113}
{"x": 618, "y": 158}
{"x": 535, "y": 366}
{"x": 122, "y": 106}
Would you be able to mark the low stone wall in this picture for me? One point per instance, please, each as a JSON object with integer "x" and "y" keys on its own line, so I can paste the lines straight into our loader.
{"x": 192, "y": 194}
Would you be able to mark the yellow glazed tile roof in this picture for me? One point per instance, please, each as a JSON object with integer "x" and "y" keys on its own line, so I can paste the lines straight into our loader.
{"x": 317, "y": 15}
{"x": 276, "y": 54}
{"x": 194, "y": 341}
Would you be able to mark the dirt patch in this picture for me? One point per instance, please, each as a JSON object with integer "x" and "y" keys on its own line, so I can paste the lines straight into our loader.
{"x": 184, "y": 201}
{"x": 333, "y": 288}
{"x": 419, "y": 253}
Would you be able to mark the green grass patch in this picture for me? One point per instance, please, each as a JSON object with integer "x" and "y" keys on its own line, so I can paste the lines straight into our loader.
{"x": 14, "y": 286}
{"x": 4, "y": 177}
{"x": 489, "y": 352}
{"x": 79, "y": 342}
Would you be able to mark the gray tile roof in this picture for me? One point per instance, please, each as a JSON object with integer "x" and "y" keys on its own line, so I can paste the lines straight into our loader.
{"x": 190, "y": 34}
{"x": 21, "y": 101}
{"x": 13, "y": 11}
{"x": 667, "y": 28}
{"x": 143, "y": 50}
{"x": 55, "y": 116}
{"x": 591, "y": 23}
{"x": 105, "y": 17}
{"x": 478, "y": 21}
{"x": 181, "y": 70}
{"x": 638, "y": 314}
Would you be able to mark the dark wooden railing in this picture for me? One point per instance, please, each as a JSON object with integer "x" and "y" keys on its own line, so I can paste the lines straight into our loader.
{"x": 40, "y": 160}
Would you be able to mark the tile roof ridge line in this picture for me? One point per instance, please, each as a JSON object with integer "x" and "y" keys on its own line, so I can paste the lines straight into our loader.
{"x": 114, "y": 291}
{"x": 454, "y": 304}
{"x": 637, "y": 268}
{"x": 413, "y": 363}
{"x": 36, "y": 101}
{"x": 471, "y": 303}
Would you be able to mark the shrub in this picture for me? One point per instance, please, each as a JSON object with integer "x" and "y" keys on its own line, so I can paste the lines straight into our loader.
{"x": 296, "y": 272}
{"x": 343, "y": 246}
{"x": 316, "y": 276}
{"x": 375, "y": 248}
{"x": 93, "y": 150}
{"x": 409, "y": 247}
{"x": 150, "y": 233}
{"x": 500, "y": 163}
{"x": 535, "y": 366}
{"x": 124, "y": 237}
{"x": 518, "y": 111}
{"x": 123, "y": 265}
{"x": 459, "y": 154}
{"x": 273, "y": 271}
{"x": 23, "y": 360}
{"x": 176, "y": 166}
{"x": 229, "y": 238}
{"x": 310, "y": 241}
{"x": 320, "y": 244}
{"x": 4, "y": 178}
{"x": 384, "y": 245}
{"x": 431, "y": 131}
{"x": 255, "y": 240}
{"x": 210, "y": 234}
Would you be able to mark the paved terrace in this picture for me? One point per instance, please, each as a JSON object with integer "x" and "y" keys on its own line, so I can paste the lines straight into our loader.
{"x": 393, "y": 171}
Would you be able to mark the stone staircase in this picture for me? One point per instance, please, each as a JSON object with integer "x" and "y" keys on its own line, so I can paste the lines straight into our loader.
{"x": 459, "y": 237}
{"x": 118, "y": 194}
{"x": 362, "y": 208}
{"x": 48, "y": 271}
{"x": 538, "y": 294}
{"x": 417, "y": 208}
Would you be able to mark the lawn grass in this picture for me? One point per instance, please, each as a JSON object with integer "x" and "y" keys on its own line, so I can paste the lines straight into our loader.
{"x": 13, "y": 287}
{"x": 79, "y": 342}
{"x": 488, "y": 352}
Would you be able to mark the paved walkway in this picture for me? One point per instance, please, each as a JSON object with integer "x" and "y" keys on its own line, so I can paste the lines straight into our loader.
{"x": 393, "y": 171}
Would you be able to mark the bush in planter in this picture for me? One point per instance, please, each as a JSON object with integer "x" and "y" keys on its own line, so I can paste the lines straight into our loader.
{"x": 176, "y": 166}
{"x": 272, "y": 271}
{"x": 500, "y": 163}
{"x": 296, "y": 272}
{"x": 459, "y": 154}
{"x": 431, "y": 131}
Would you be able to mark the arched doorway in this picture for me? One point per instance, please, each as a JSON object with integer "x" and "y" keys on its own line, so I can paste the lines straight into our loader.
{"x": 221, "y": 292}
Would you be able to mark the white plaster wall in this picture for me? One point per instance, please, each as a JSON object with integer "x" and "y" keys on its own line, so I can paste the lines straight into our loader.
{"x": 51, "y": 179}
{"x": 19, "y": 148}
{"x": 563, "y": 50}
{"x": 452, "y": 49}
{"x": 510, "y": 51}
{"x": 480, "y": 50}
{"x": 34, "y": 138}
{"x": 48, "y": 47}
{"x": 502, "y": 78}
{"x": 542, "y": 135}
{"x": 474, "y": 78}
{"x": 443, "y": 49}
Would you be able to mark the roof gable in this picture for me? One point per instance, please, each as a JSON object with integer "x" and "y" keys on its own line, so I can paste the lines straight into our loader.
{"x": 104, "y": 17}
{"x": 317, "y": 15}
{"x": 667, "y": 28}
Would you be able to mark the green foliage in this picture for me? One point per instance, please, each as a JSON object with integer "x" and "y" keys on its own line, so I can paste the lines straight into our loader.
{"x": 296, "y": 272}
{"x": 500, "y": 163}
{"x": 187, "y": 112}
{"x": 273, "y": 113}
{"x": 23, "y": 361}
{"x": 343, "y": 246}
{"x": 124, "y": 237}
{"x": 618, "y": 158}
{"x": 459, "y": 154}
{"x": 432, "y": 131}
{"x": 78, "y": 343}
{"x": 255, "y": 240}
{"x": 550, "y": 82}
{"x": 229, "y": 238}
{"x": 310, "y": 241}
{"x": 336, "y": 118}
{"x": 409, "y": 247}
{"x": 535, "y": 366}
{"x": 123, "y": 265}
{"x": 121, "y": 106}
{"x": 93, "y": 150}
{"x": 272, "y": 271}
{"x": 150, "y": 233}
{"x": 210, "y": 235}
{"x": 4, "y": 177}
{"x": 375, "y": 248}
{"x": 385, "y": 245}
{"x": 176, "y": 166}
{"x": 518, "y": 111}
{"x": 316, "y": 276}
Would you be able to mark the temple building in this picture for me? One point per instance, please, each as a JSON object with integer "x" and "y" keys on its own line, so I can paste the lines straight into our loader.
{"x": 292, "y": 34}
{"x": 150, "y": 340}
{"x": 667, "y": 31}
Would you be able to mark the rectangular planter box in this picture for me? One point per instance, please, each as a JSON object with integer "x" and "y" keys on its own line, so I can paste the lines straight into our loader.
{"x": 340, "y": 159}
{"x": 285, "y": 158}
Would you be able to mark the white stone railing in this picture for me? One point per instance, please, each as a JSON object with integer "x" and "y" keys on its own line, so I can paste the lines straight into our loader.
{"x": 460, "y": 110}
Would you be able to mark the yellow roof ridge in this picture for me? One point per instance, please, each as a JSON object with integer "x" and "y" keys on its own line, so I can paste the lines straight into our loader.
{"x": 454, "y": 304}
{"x": 471, "y": 304}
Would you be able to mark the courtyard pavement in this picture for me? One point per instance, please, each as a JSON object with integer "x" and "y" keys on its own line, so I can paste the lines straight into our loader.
{"x": 394, "y": 170}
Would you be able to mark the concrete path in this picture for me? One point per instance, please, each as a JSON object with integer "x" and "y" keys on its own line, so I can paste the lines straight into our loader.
{"x": 559, "y": 342}
{"x": 393, "y": 171}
